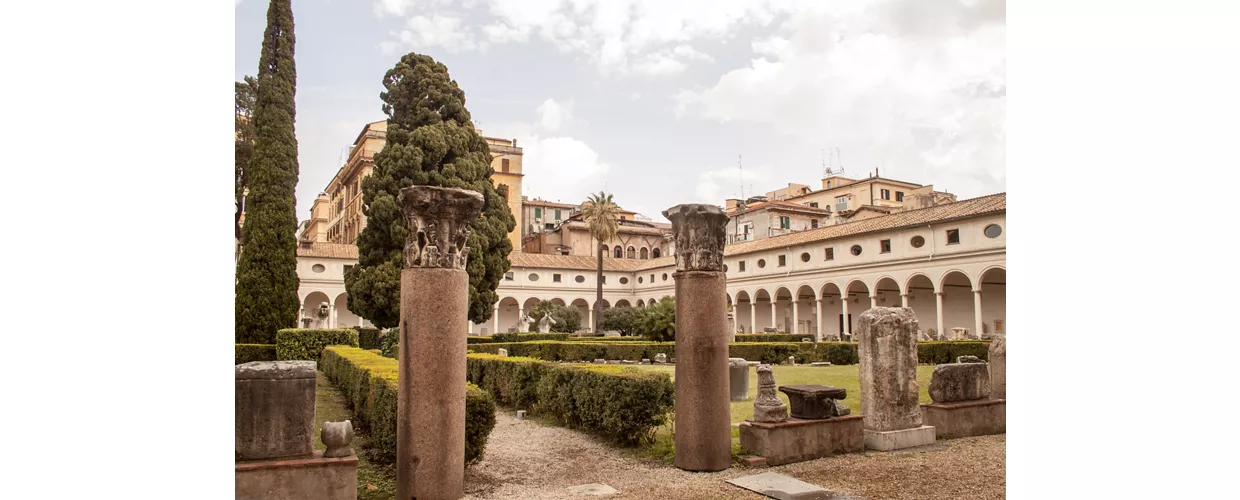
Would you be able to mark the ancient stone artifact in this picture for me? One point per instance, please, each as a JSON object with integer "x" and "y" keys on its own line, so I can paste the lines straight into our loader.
{"x": 960, "y": 333}
{"x": 433, "y": 323}
{"x": 660, "y": 358}
{"x": 738, "y": 379}
{"x": 274, "y": 409}
{"x": 792, "y": 360}
{"x": 998, "y": 366}
{"x": 815, "y": 402}
{"x": 969, "y": 359}
{"x": 766, "y": 406}
{"x": 501, "y": 352}
{"x": 887, "y": 345}
{"x": 703, "y": 423}
{"x": 953, "y": 382}
{"x": 337, "y": 436}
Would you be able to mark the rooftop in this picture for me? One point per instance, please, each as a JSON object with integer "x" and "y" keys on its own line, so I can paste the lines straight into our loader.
{"x": 579, "y": 262}
{"x": 327, "y": 250}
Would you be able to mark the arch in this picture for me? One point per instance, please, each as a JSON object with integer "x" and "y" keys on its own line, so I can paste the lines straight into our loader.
{"x": 310, "y": 307}
{"x": 623, "y": 303}
{"x": 618, "y": 252}
{"x": 559, "y": 302}
{"x": 344, "y": 317}
{"x": 957, "y": 290}
{"x": 602, "y": 302}
{"x": 583, "y": 308}
{"x": 764, "y": 317}
{"x": 743, "y": 312}
{"x": 908, "y": 283}
{"x": 654, "y": 253}
{"x": 509, "y": 310}
{"x": 605, "y": 249}
{"x": 805, "y": 313}
{"x": 956, "y": 274}
{"x": 644, "y": 253}
{"x": 993, "y": 284}
{"x": 631, "y": 253}
{"x": 888, "y": 291}
{"x": 641, "y": 303}
{"x": 920, "y": 292}
{"x": 832, "y": 311}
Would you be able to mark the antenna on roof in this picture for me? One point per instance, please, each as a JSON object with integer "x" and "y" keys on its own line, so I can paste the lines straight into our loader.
{"x": 740, "y": 175}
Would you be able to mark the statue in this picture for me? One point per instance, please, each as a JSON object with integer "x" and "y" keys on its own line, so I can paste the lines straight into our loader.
{"x": 767, "y": 407}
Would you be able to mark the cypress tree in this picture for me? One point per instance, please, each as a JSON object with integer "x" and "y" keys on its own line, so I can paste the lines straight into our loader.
{"x": 430, "y": 141}
{"x": 266, "y": 297}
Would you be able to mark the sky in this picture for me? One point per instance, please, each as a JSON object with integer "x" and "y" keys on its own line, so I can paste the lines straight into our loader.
{"x": 665, "y": 102}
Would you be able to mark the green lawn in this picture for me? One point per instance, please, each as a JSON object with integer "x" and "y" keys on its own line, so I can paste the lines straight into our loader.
{"x": 329, "y": 406}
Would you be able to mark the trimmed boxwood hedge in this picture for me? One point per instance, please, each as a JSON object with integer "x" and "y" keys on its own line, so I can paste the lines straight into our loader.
{"x": 472, "y": 339}
{"x": 367, "y": 338}
{"x": 772, "y": 337}
{"x": 246, "y": 353}
{"x": 369, "y": 383}
{"x": 609, "y": 339}
{"x": 619, "y": 403}
{"x": 837, "y": 353}
{"x": 308, "y": 343}
{"x": 528, "y": 336}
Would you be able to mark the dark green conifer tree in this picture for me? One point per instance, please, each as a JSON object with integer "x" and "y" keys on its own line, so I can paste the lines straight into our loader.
{"x": 431, "y": 140}
{"x": 266, "y": 296}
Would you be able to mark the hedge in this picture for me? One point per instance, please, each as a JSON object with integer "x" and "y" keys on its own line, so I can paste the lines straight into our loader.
{"x": 620, "y": 403}
{"x": 478, "y": 340}
{"x": 369, "y": 383}
{"x": 308, "y": 343}
{"x": 367, "y": 338}
{"x": 772, "y": 337}
{"x": 837, "y": 353}
{"x": 527, "y": 337}
{"x": 609, "y": 339}
{"x": 245, "y": 353}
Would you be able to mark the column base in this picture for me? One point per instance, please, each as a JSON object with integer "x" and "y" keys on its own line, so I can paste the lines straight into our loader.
{"x": 899, "y": 439}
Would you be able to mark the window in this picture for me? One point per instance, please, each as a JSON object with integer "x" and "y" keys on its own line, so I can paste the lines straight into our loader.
{"x": 899, "y": 195}
{"x": 993, "y": 231}
{"x": 841, "y": 203}
{"x": 884, "y": 246}
{"x": 645, "y": 253}
{"x": 805, "y": 257}
{"x": 549, "y": 226}
{"x": 917, "y": 241}
{"x": 606, "y": 250}
{"x": 953, "y": 236}
{"x": 783, "y": 260}
{"x": 537, "y": 212}
{"x": 580, "y": 279}
{"x": 603, "y": 279}
{"x": 632, "y": 253}
{"x": 664, "y": 276}
{"x": 725, "y": 268}
{"x": 640, "y": 279}
{"x": 508, "y": 276}
{"x": 557, "y": 214}
{"x": 654, "y": 254}
{"x": 318, "y": 268}
{"x": 885, "y": 194}
{"x": 652, "y": 277}
{"x": 856, "y": 249}
{"x": 761, "y": 263}
{"x": 618, "y": 253}
{"x": 813, "y": 204}
{"x": 624, "y": 281}
{"x": 785, "y": 222}
{"x": 830, "y": 254}
{"x": 813, "y": 223}
{"x": 555, "y": 278}
{"x": 533, "y": 277}
{"x": 504, "y": 165}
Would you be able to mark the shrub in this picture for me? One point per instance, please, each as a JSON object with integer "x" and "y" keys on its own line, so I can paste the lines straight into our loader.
{"x": 367, "y": 338}
{"x": 369, "y": 383}
{"x": 580, "y": 351}
{"x": 940, "y": 352}
{"x": 622, "y": 404}
{"x": 308, "y": 343}
{"x": 771, "y": 337}
{"x": 389, "y": 343}
{"x": 478, "y": 339}
{"x": 567, "y": 319}
{"x": 837, "y": 353}
{"x": 599, "y": 338}
{"x": 657, "y": 322}
{"x": 527, "y": 337}
{"x": 620, "y": 319}
{"x": 772, "y": 352}
{"x": 245, "y": 353}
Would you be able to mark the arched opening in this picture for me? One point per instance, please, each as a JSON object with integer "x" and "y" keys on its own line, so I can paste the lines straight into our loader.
{"x": 632, "y": 253}
{"x": 920, "y": 291}
{"x": 744, "y": 312}
{"x": 762, "y": 311}
{"x": 783, "y": 310}
{"x": 557, "y": 301}
{"x": 641, "y": 303}
{"x": 645, "y": 253}
{"x": 344, "y": 317}
{"x": 618, "y": 252}
{"x": 583, "y": 308}
{"x": 957, "y": 304}
{"x": 623, "y": 303}
{"x": 509, "y": 316}
{"x": 313, "y": 313}
{"x": 654, "y": 254}
{"x": 858, "y": 296}
{"x": 804, "y": 315}
{"x": 994, "y": 301}
{"x": 605, "y": 249}
{"x": 888, "y": 292}
{"x": 832, "y": 312}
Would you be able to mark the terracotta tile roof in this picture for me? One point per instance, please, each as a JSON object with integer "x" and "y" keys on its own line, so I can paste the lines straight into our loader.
{"x": 584, "y": 263}
{"x": 782, "y": 205}
{"x": 327, "y": 250}
{"x": 665, "y": 261}
{"x": 994, "y": 203}
{"x": 626, "y": 227}
{"x": 545, "y": 203}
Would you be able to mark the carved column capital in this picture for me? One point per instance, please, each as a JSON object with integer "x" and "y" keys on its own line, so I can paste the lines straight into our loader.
{"x": 438, "y": 220}
{"x": 700, "y": 230}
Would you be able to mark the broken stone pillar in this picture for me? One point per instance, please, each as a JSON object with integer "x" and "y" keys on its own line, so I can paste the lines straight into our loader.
{"x": 767, "y": 407}
{"x": 703, "y": 416}
{"x": 887, "y": 345}
{"x": 954, "y": 382}
{"x": 430, "y": 426}
{"x": 274, "y": 409}
{"x": 998, "y": 366}
{"x": 738, "y": 378}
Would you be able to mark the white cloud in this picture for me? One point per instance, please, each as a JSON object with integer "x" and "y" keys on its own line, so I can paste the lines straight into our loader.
{"x": 554, "y": 115}
{"x": 556, "y": 167}
{"x": 669, "y": 61}
{"x": 914, "y": 86}
{"x": 728, "y": 182}
{"x": 435, "y": 30}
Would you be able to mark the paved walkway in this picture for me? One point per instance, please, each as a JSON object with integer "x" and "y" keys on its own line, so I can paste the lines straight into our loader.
{"x": 525, "y": 459}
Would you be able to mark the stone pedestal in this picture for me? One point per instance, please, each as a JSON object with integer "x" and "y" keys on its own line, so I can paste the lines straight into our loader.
{"x": 274, "y": 402}
{"x": 703, "y": 413}
{"x": 799, "y": 440}
{"x": 311, "y": 478}
{"x": 887, "y": 348}
{"x": 738, "y": 379}
{"x": 430, "y": 425}
{"x": 813, "y": 402}
{"x": 899, "y": 439}
{"x": 966, "y": 418}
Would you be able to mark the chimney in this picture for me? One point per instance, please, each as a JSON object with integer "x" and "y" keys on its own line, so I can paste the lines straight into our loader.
{"x": 514, "y": 142}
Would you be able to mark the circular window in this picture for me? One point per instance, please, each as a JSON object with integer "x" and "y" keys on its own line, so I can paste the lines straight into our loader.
{"x": 993, "y": 231}
{"x": 725, "y": 268}
{"x": 639, "y": 279}
{"x": 624, "y": 281}
{"x": 805, "y": 257}
{"x": 580, "y": 279}
{"x": 917, "y": 241}
{"x": 318, "y": 268}
{"x": 533, "y": 276}
{"x": 664, "y": 276}
{"x": 856, "y": 249}
{"x": 761, "y": 263}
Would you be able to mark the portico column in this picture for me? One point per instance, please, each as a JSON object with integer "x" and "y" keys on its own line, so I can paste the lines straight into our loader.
{"x": 977, "y": 314}
{"x": 495, "y": 330}
{"x": 873, "y": 301}
{"x": 845, "y": 331}
{"x": 796, "y": 318}
{"x": 774, "y": 326}
{"x": 753, "y": 317}
{"x": 904, "y": 300}
{"x": 331, "y": 319}
{"x": 592, "y": 320}
{"x": 938, "y": 312}
{"x": 818, "y": 314}
{"x": 301, "y": 313}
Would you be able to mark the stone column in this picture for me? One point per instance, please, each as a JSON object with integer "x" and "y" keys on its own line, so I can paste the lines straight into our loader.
{"x": 774, "y": 324}
{"x": 753, "y": 316}
{"x": 796, "y": 318}
{"x": 496, "y": 329}
{"x": 887, "y": 351}
{"x": 904, "y": 300}
{"x": 703, "y": 411}
{"x": 873, "y": 301}
{"x": 977, "y": 314}
{"x": 818, "y": 332}
{"x": 846, "y": 330}
{"x": 591, "y": 323}
{"x": 938, "y": 315}
{"x": 331, "y": 316}
{"x": 434, "y": 300}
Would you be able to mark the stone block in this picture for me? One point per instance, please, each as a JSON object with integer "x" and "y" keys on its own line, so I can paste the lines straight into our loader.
{"x": 812, "y": 402}
{"x": 274, "y": 403}
{"x": 997, "y": 356}
{"x": 959, "y": 382}
{"x": 968, "y": 418}
{"x": 887, "y": 350}
{"x": 501, "y": 352}
{"x": 660, "y": 358}
{"x": 311, "y": 478}
{"x": 738, "y": 379}
{"x": 798, "y": 440}
{"x": 899, "y": 439}
{"x": 753, "y": 462}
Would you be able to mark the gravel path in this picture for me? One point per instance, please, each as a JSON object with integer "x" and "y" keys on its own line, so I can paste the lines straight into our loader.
{"x": 525, "y": 459}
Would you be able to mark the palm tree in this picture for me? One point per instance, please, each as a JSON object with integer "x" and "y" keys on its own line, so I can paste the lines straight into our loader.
{"x": 600, "y": 214}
